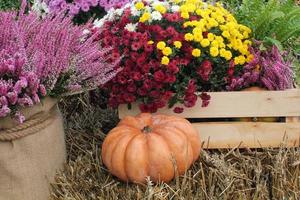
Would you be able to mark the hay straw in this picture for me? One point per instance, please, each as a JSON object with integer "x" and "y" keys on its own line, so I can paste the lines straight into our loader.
{"x": 219, "y": 174}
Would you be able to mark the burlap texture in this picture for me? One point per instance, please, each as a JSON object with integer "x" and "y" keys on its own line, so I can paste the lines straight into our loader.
{"x": 29, "y": 161}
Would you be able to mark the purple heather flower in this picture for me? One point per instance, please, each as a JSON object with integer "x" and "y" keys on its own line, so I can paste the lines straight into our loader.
{"x": 268, "y": 69}
{"x": 25, "y": 101}
{"x": 43, "y": 90}
{"x": 3, "y": 101}
{"x": 19, "y": 117}
{"x": 12, "y": 97}
{"x": 4, "y": 111}
{"x": 73, "y": 8}
{"x": 35, "y": 53}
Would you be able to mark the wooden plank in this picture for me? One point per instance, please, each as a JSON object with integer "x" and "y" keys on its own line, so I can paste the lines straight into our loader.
{"x": 238, "y": 104}
{"x": 248, "y": 134}
{"x": 292, "y": 119}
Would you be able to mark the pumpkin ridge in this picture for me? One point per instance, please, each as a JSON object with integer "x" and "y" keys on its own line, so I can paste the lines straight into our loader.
{"x": 124, "y": 157}
{"x": 114, "y": 151}
{"x": 106, "y": 147}
{"x": 146, "y": 159}
{"x": 193, "y": 138}
{"x": 186, "y": 146}
{"x": 150, "y": 157}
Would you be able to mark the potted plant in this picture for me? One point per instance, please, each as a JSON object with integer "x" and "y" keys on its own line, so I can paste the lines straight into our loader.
{"x": 40, "y": 61}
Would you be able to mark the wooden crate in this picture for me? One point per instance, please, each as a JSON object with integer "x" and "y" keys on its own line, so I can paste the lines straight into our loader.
{"x": 233, "y": 134}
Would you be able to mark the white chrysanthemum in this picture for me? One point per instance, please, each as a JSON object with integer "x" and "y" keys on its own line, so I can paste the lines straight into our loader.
{"x": 127, "y": 5}
{"x": 163, "y": 3}
{"x": 175, "y": 8}
{"x": 148, "y": 8}
{"x": 166, "y": 4}
{"x": 131, "y": 27}
{"x": 99, "y": 22}
{"x": 86, "y": 31}
{"x": 111, "y": 14}
{"x": 135, "y": 12}
{"x": 40, "y": 8}
{"x": 156, "y": 16}
{"x": 119, "y": 12}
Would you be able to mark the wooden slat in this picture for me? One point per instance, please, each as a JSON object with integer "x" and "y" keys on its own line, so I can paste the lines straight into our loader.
{"x": 248, "y": 134}
{"x": 292, "y": 119}
{"x": 238, "y": 104}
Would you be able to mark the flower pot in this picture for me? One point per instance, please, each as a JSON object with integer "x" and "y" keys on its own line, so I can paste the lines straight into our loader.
{"x": 31, "y": 153}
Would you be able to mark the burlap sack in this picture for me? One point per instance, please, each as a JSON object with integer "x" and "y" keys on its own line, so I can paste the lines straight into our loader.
{"x": 31, "y": 153}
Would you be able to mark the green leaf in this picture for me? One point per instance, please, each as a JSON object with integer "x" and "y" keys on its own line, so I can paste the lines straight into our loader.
{"x": 262, "y": 47}
{"x": 272, "y": 41}
{"x": 172, "y": 101}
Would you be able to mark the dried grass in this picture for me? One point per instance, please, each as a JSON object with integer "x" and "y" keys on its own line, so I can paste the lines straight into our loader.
{"x": 220, "y": 174}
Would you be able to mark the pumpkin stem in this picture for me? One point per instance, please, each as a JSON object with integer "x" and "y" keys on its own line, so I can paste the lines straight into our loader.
{"x": 146, "y": 129}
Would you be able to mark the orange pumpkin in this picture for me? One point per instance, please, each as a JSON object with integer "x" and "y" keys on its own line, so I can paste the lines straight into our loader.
{"x": 257, "y": 119}
{"x": 155, "y": 146}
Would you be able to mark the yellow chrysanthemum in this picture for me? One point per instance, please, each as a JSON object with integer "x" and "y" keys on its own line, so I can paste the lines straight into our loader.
{"x": 244, "y": 49}
{"x": 188, "y": 37}
{"x": 183, "y": 8}
{"x": 160, "y": 8}
{"x": 219, "y": 39}
{"x": 198, "y": 37}
{"x": 150, "y": 42}
{"x": 185, "y": 15}
{"x": 222, "y": 45}
{"x": 210, "y": 36}
{"x": 239, "y": 60}
{"x": 220, "y": 19}
{"x": 236, "y": 60}
{"x": 222, "y": 52}
{"x": 214, "y": 51}
{"x": 242, "y": 60}
{"x": 228, "y": 55}
{"x": 197, "y": 30}
{"x": 165, "y": 60}
{"x": 212, "y": 22}
{"x": 145, "y": 17}
{"x": 167, "y": 51}
{"x": 196, "y": 52}
{"x": 178, "y": 44}
{"x": 161, "y": 45}
{"x": 226, "y": 34}
{"x": 139, "y": 5}
{"x": 214, "y": 43}
{"x": 199, "y": 11}
{"x": 205, "y": 43}
{"x": 177, "y": 1}
{"x": 248, "y": 42}
{"x": 191, "y": 7}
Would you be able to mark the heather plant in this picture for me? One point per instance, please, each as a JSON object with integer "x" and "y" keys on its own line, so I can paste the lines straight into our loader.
{"x": 81, "y": 11}
{"x": 46, "y": 57}
{"x": 268, "y": 69}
